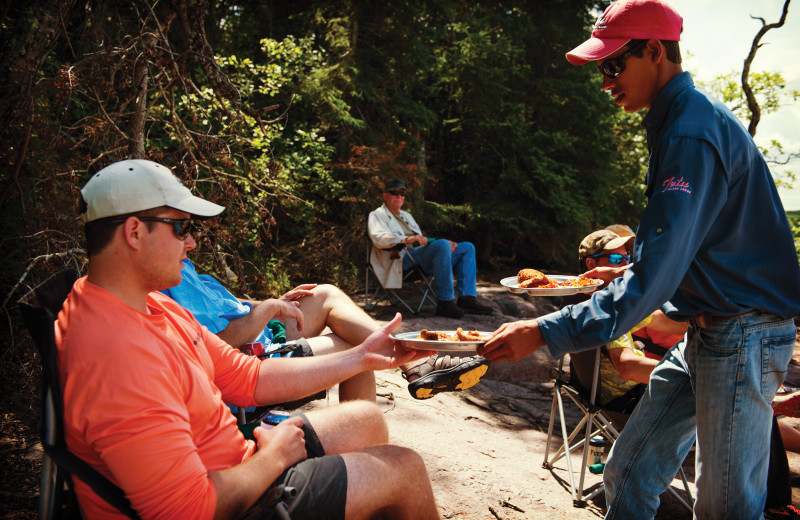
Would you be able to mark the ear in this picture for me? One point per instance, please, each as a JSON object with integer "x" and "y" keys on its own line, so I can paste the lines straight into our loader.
{"x": 656, "y": 50}
{"x": 132, "y": 232}
{"x": 591, "y": 263}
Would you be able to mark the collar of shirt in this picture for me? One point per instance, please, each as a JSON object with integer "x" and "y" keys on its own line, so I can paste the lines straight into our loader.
{"x": 658, "y": 112}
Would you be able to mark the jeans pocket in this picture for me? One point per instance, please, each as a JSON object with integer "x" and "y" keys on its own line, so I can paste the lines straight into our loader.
{"x": 776, "y": 352}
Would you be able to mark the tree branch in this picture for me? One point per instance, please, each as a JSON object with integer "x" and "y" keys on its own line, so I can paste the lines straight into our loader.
{"x": 752, "y": 104}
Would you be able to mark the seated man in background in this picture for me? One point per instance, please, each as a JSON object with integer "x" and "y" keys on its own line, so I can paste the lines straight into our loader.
{"x": 389, "y": 226}
{"x": 144, "y": 385}
{"x": 307, "y": 311}
{"x": 624, "y": 368}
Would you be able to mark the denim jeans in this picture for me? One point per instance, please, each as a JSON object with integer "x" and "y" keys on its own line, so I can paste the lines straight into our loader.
{"x": 436, "y": 259}
{"x": 715, "y": 388}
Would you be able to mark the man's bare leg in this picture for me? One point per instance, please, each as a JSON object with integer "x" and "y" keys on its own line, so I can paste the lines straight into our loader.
{"x": 390, "y": 481}
{"x": 381, "y": 478}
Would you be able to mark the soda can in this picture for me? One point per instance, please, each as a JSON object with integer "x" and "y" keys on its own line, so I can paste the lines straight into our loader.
{"x": 253, "y": 349}
{"x": 274, "y": 418}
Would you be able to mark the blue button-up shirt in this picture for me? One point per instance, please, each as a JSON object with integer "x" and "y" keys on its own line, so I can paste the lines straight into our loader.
{"x": 714, "y": 237}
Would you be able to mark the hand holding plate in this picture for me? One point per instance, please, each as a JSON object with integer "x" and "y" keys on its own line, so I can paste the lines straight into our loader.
{"x": 513, "y": 341}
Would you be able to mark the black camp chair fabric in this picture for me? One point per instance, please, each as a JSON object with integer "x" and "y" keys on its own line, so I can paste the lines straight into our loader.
{"x": 39, "y": 308}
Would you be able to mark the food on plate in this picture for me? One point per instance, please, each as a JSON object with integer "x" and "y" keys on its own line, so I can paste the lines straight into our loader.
{"x": 471, "y": 335}
{"x": 460, "y": 335}
{"x": 531, "y": 278}
{"x": 429, "y": 335}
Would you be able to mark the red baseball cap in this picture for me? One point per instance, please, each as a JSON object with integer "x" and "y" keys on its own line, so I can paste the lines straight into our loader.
{"x": 627, "y": 20}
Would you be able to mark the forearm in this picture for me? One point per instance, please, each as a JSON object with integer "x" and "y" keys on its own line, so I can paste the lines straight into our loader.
{"x": 286, "y": 379}
{"x": 661, "y": 323}
{"x": 245, "y": 329}
{"x": 240, "y": 486}
{"x": 633, "y": 367}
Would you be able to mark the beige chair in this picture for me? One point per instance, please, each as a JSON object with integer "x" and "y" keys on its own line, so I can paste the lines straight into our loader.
{"x": 414, "y": 276}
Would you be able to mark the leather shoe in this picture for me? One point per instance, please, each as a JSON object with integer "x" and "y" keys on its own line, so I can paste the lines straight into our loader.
{"x": 470, "y": 305}
{"x": 449, "y": 309}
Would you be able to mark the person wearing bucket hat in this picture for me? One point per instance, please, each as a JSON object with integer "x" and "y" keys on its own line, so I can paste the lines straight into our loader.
{"x": 709, "y": 189}
{"x": 144, "y": 384}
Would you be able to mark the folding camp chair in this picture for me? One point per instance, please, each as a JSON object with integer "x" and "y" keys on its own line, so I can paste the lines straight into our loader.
{"x": 39, "y": 307}
{"x": 416, "y": 276}
{"x": 595, "y": 422}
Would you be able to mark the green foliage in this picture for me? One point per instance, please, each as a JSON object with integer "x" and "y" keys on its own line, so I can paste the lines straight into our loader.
{"x": 771, "y": 93}
{"x": 794, "y": 222}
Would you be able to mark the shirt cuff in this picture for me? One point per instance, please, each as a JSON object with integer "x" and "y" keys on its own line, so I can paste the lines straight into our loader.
{"x": 556, "y": 333}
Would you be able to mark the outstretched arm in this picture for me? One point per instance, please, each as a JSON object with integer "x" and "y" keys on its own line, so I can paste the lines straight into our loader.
{"x": 282, "y": 379}
{"x": 513, "y": 341}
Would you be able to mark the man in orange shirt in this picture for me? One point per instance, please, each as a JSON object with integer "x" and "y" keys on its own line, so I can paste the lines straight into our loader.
{"x": 144, "y": 384}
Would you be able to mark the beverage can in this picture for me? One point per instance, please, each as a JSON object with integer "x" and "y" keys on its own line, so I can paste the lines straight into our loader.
{"x": 597, "y": 450}
{"x": 273, "y": 418}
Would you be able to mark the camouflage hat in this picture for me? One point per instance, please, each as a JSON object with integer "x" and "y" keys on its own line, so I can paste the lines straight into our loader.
{"x": 602, "y": 240}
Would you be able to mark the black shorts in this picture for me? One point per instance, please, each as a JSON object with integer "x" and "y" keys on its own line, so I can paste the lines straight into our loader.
{"x": 314, "y": 488}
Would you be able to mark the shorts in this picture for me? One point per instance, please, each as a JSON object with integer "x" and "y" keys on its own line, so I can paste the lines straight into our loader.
{"x": 296, "y": 348}
{"x": 314, "y": 488}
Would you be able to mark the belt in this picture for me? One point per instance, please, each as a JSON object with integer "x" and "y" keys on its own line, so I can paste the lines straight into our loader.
{"x": 704, "y": 319}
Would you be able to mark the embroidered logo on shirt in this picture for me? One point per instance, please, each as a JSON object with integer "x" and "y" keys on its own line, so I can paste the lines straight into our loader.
{"x": 673, "y": 184}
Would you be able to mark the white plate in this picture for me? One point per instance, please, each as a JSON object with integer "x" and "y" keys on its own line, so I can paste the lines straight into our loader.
{"x": 412, "y": 341}
{"x": 513, "y": 286}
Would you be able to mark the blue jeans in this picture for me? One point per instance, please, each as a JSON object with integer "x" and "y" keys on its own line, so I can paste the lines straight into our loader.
{"x": 716, "y": 388}
{"x": 436, "y": 259}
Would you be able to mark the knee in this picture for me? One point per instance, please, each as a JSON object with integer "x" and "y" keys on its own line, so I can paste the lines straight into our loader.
{"x": 370, "y": 420}
{"x": 466, "y": 249}
{"x": 440, "y": 247}
{"x": 327, "y": 291}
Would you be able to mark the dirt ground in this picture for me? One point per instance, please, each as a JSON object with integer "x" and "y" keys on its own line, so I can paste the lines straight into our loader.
{"x": 484, "y": 447}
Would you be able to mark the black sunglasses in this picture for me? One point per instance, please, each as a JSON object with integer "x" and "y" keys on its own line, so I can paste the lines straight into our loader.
{"x": 614, "y": 258}
{"x": 616, "y": 66}
{"x": 181, "y": 226}
{"x": 402, "y": 193}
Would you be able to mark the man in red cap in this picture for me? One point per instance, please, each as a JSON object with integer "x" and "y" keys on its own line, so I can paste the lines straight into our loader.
{"x": 709, "y": 193}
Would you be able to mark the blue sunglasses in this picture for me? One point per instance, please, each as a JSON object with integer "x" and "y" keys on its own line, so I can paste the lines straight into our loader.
{"x": 614, "y": 258}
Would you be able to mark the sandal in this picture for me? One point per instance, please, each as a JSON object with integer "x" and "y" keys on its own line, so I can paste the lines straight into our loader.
{"x": 442, "y": 373}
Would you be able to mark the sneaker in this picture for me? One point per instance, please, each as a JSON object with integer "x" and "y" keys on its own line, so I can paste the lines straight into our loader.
{"x": 784, "y": 513}
{"x": 470, "y": 305}
{"x": 443, "y": 373}
{"x": 449, "y": 309}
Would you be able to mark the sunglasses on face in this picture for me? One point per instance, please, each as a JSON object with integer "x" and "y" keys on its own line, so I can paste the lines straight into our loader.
{"x": 614, "y": 258}
{"x": 402, "y": 193}
{"x": 616, "y": 66}
{"x": 181, "y": 226}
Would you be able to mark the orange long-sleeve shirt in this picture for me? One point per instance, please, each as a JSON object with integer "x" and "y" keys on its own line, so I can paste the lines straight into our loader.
{"x": 143, "y": 401}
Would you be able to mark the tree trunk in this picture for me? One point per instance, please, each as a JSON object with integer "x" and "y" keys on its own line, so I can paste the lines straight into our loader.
{"x": 752, "y": 103}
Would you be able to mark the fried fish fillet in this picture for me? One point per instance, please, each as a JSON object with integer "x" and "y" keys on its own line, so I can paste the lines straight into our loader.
{"x": 531, "y": 278}
{"x": 429, "y": 335}
{"x": 471, "y": 335}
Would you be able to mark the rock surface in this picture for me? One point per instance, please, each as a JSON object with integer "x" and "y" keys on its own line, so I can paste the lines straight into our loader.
{"x": 484, "y": 447}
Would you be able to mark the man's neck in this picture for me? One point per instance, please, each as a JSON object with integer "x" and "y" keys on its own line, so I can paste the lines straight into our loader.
{"x": 118, "y": 282}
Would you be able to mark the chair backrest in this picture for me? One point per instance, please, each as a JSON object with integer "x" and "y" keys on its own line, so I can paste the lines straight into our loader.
{"x": 40, "y": 307}
{"x": 585, "y": 372}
